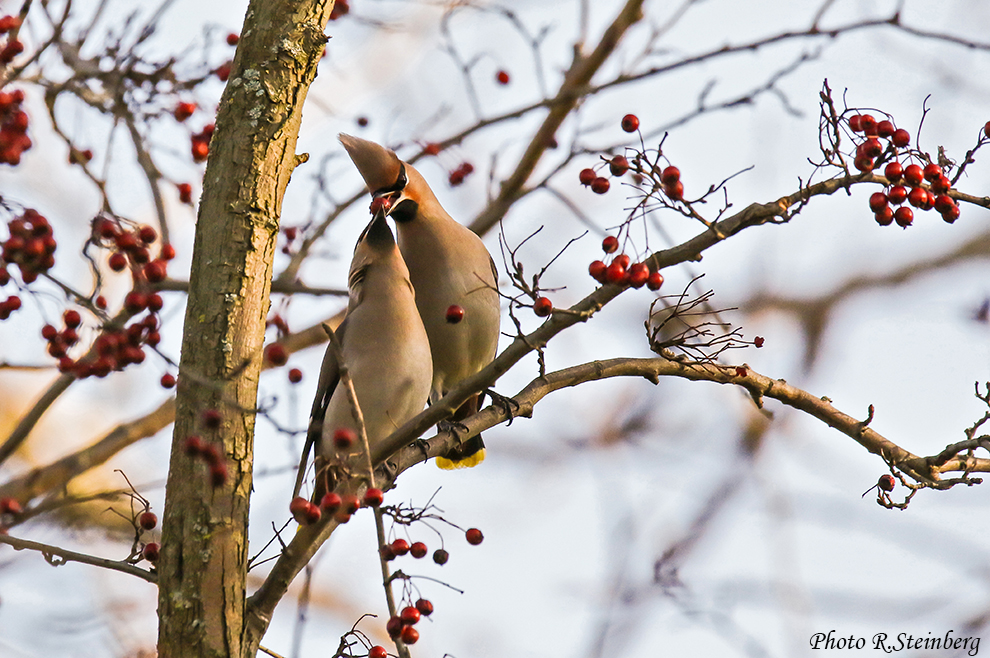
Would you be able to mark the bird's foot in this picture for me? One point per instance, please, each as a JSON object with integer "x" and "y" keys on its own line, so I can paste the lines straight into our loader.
{"x": 508, "y": 405}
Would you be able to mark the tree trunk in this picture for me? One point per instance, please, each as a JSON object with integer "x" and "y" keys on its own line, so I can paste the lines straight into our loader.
{"x": 202, "y": 569}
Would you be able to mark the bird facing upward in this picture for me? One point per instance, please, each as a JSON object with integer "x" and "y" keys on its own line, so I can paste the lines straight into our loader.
{"x": 449, "y": 266}
{"x": 384, "y": 346}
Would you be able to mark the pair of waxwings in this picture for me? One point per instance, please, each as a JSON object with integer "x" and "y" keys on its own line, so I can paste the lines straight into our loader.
{"x": 399, "y": 348}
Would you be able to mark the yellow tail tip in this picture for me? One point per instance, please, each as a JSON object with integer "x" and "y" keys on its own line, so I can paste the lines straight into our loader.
{"x": 468, "y": 462}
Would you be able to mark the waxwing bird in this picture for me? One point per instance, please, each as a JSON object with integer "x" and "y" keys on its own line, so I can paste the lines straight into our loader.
{"x": 384, "y": 345}
{"x": 449, "y": 267}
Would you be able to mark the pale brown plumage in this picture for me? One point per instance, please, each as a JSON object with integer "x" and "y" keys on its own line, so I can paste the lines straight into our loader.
{"x": 384, "y": 345}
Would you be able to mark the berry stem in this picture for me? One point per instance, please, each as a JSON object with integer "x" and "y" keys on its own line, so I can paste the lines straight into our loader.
{"x": 348, "y": 384}
{"x": 401, "y": 648}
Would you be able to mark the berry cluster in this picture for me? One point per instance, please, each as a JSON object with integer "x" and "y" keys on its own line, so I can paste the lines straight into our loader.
{"x": 13, "y": 127}
{"x": 621, "y": 272}
{"x": 906, "y": 179}
{"x": 31, "y": 246}
{"x": 210, "y": 454}
{"x": 13, "y": 47}
{"x": 115, "y": 348}
{"x": 400, "y": 627}
{"x": 129, "y": 246}
{"x": 146, "y": 522}
{"x": 458, "y": 175}
{"x": 201, "y": 143}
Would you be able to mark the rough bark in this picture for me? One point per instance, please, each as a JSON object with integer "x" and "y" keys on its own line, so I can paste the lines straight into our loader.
{"x": 202, "y": 569}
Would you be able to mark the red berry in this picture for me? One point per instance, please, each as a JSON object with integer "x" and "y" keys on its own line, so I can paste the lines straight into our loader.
{"x": 913, "y": 175}
{"x": 856, "y": 123}
{"x": 387, "y": 553}
{"x": 118, "y": 261}
{"x": 295, "y": 375}
{"x": 623, "y": 260}
{"x": 350, "y": 504}
{"x": 878, "y": 201}
{"x": 474, "y": 536}
{"x": 344, "y": 438}
{"x": 167, "y": 252}
{"x": 156, "y": 271}
{"x": 587, "y": 176}
{"x": 952, "y": 214}
{"x": 639, "y": 273}
{"x": 48, "y": 332}
{"x": 886, "y": 482}
{"x": 232, "y": 39}
{"x": 884, "y": 216}
{"x": 72, "y": 318}
{"x": 151, "y": 552}
{"x": 409, "y": 615}
{"x": 885, "y": 129}
{"x": 418, "y": 550}
{"x": 331, "y": 502}
{"x": 373, "y": 497}
{"x": 441, "y": 556}
{"x": 670, "y": 175}
{"x": 941, "y": 185}
{"x": 276, "y": 354}
{"x": 932, "y": 172}
{"x": 863, "y": 164}
{"x": 400, "y": 547}
{"x": 183, "y": 111}
{"x": 193, "y": 445}
{"x": 185, "y": 192}
{"x": 871, "y": 148}
{"x": 610, "y": 244}
{"x": 431, "y": 148}
{"x": 943, "y": 202}
{"x": 597, "y": 270}
{"x": 425, "y": 607}
{"x": 918, "y": 197}
{"x": 630, "y": 123}
{"x": 223, "y": 71}
{"x": 655, "y": 281}
{"x": 147, "y": 234}
{"x": 148, "y": 520}
{"x": 615, "y": 273}
{"x": 897, "y": 195}
{"x": 869, "y": 125}
{"x": 454, "y": 314}
{"x": 377, "y": 651}
{"x": 618, "y": 165}
{"x": 502, "y": 77}
{"x": 600, "y": 185}
{"x": 904, "y": 216}
{"x": 200, "y": 150}
{"x": 542, "y": 307}
{"x": 675, "y": 192}
{"x": 168, "y": 380}
{"x": 394, "y": 627}
{"x": 901, "y": 138}
{"x": 409, "y": 635}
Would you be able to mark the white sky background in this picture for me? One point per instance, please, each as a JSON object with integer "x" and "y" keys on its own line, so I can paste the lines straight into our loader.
{"x": 795, "y": 552}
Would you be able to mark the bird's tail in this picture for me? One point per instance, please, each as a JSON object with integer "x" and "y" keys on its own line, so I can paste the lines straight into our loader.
{"x": 466, "y": 455}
